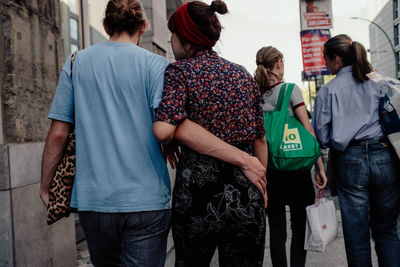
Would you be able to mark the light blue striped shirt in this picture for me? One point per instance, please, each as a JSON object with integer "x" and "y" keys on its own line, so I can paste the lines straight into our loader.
{"x": 346, "y": 110}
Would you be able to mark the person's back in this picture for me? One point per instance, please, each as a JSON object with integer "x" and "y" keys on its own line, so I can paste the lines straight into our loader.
{"x": 122, "y": 188}
{"x": 292, "y": 188}
{"x": 119, "y": 162}
{"x": 220, "y": 95}
{"x": 213, "y": 202}
{"x": 346, "y": 120}
{"x": 354, "y": 105}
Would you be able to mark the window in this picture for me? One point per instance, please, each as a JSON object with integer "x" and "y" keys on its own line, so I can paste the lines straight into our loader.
{"x": 70, "y": 26}
{"x": 396, "y": 34}
{"x": 395, "y": 9}
{"x": 74, "y": 48}
{"x": 74, "y": 33}
{"x": 398, "y": 60}
{"x": 73, "y": 28}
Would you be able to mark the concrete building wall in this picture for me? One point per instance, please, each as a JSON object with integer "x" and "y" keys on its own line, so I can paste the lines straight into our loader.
{"x": 96, "y": 15}
{"x": 30, "y": 62}
{"x": 31, "y": 37}
{"x": 382, "y": 58}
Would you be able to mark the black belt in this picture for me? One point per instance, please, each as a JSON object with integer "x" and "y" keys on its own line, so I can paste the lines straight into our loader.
{"x": 364, "y": 142}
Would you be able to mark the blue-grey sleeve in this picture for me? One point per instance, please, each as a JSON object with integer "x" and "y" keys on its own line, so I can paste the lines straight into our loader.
{"x": 157, "y": 69}
{"x": 322, "y": 117}
{"x": 62, "y": 108}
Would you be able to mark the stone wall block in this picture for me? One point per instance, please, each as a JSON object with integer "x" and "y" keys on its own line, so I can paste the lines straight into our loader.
{"x": 63, "y": 242}
{"x": 33, "y": 52}
{"x": 6, "y": 239}
{"x": 25, "y": 164}
{"x": 36, "y": 243}
{"x": 4, "y": 169}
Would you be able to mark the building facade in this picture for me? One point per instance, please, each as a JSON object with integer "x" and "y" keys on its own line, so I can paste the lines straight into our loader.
{"x": 30, "y": 62}
{"x": 81, "y": 25}
{"x": 382, "y": 56}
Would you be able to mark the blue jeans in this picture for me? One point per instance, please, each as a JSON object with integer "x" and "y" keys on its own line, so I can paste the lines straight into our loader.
{"x": 369, "y": 195}
{"x": 126, "y": 239}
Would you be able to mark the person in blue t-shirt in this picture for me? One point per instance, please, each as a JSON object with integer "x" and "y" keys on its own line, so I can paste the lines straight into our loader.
{"x": 122, "y": 187}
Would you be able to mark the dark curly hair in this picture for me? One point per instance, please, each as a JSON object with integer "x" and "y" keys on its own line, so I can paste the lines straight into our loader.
{"x": 124, "y": 16}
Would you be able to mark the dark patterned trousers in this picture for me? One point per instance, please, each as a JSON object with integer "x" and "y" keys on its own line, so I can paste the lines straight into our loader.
{"x": 216, "y": 206}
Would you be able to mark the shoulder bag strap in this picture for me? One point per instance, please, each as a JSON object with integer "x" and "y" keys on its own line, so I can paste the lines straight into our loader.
{"x": 280, "y": 97}
{"x": 70, "y": 76}
{"x": 284, "y": 97}
{"x": 288, "y": 95}
{"x": 72, "y": 62}
{"x": 283, "y": 111}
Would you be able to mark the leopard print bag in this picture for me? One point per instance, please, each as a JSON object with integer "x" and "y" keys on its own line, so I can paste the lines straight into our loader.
{"x": 61, "y": 186}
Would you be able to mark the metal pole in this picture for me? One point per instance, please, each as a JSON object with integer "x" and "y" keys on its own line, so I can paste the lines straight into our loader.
{"x": 396, "y": 67}
{"x": 309, "y": 95}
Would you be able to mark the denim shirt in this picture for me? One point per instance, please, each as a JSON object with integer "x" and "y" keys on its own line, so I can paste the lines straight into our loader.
{"x": 346, "y": 110}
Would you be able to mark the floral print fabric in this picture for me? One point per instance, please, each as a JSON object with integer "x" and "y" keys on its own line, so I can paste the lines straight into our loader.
{"x": 215, "y": 205}
{"x": 215, "y": 93}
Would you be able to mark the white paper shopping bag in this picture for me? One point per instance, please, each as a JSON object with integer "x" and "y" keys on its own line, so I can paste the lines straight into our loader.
{"x": 321, "y": 225}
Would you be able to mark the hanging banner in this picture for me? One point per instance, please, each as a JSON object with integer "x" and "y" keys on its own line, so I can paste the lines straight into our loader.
{"x": 312, "y": 45}
{"x": 315, "y": 14}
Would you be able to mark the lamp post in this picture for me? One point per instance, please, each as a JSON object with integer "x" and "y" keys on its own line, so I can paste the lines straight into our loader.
{"x": 396, "y": 67}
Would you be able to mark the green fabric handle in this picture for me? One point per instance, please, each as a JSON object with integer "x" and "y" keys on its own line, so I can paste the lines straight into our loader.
{"x": 283, "y": 110}
{"x": 280, "y": 97}
{"x": 284, "y": 98}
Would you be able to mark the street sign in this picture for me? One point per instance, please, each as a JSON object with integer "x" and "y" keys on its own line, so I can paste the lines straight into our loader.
{"x": 315, "y": 14}
{"x": 312, "y": 45}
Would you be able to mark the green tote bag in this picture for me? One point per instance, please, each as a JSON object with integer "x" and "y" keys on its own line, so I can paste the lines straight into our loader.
{"x": 290, "y": 146}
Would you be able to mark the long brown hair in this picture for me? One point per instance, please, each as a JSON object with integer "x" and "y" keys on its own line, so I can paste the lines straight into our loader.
{"x": 265, "y": 59}
{"x": 207, "y": 22}
{"x": 124, "y": 16}
{"x": 351, "y": 53}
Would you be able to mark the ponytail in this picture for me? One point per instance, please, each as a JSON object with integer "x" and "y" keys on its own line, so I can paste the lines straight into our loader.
{"x": 261, "y": 76}
{"x": 351, "y": 53}
{"x": 361, "y": 66}
{"x": 265, "y": 59}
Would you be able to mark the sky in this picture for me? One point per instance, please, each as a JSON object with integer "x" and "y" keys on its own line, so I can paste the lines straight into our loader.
{"x": 252, "y": 24}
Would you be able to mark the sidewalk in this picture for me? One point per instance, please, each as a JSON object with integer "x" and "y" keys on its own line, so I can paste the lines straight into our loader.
{"x": 334, "y": 256}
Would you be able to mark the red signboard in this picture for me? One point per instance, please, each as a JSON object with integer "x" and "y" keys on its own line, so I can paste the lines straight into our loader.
{"x": 312, "y": 44}
{"x": 315, "y": 14}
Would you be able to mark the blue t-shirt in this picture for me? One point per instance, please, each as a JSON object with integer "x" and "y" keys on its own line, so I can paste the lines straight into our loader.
{"x": 111, "y": 99}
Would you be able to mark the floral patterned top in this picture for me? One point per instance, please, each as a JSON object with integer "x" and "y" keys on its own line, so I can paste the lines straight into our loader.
{"x": 219, "y": 95}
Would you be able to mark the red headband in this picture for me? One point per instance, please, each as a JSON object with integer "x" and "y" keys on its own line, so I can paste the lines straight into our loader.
{"x": 188, "y": 30}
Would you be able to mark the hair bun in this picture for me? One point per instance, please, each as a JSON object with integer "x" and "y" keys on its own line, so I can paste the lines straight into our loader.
{"x": 124, "y": 15}
{"x": 219, "y": 7}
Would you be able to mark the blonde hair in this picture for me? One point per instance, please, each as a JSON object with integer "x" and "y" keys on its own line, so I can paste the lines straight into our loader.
{"x": 265, "y": 59}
